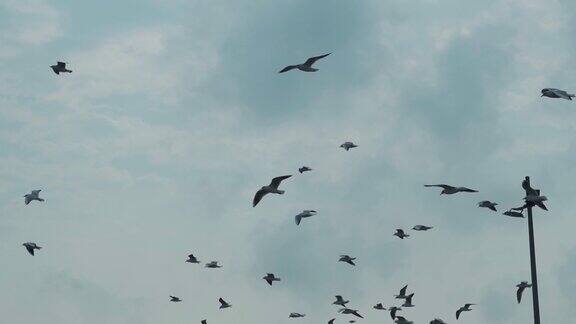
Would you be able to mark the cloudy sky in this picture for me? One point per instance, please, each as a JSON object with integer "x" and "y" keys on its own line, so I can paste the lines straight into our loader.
{"x": 174, "y": 116}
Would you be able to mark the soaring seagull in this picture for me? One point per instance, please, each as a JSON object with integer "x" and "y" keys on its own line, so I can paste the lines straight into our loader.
{"x": 271, "y": 188}
{"x": 192, "y": 259}
{"x": 31, "y": 246}
{"x": 422, "y": 228}
{"x": 60, "y": 67}
{"x": 223, "y": 303}
{"x": 512, "y": 213}
{"x": 175, "y": 299}
{"x": 521, "y": 286}
{"x": 340, "y": 301}
{"x": 306, "y": 66}
{"x": 296, "y": 315}
{"x": 400, "y": 233}
{"x": 449, "y": 190}
{"x": 402, "y": 293}
{"x": 304, "y": 214}
{"x": 408, "y": 301}
{"x": 348, "y": 145}
{"x": 488, "y": 204}
{"x": 270, "y": 278}
{"x": 465, "y": 308}
{"x": 347, "y": 259}
{"x": 304, "y": 169}
{"x": 556, "y": 93}
{"x": 34, "y": 195}
{"x": 213, "y": 265}
{"x": 379, "y": 306}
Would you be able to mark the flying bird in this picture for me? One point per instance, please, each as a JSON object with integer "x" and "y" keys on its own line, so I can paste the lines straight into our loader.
{"x": 213, "y": 265}
{"x": 393, "y": 311}
{"x": 465, "y": 308}
{"x": 340, "y": 301}
{"x": 304, "y": 214}
{"x": 60, "y": 67}
{"x": 556, "y": 93}
{"x": 175, "y": 299}
{"x": 512, "y": 213}
{"x": 408, "y": 301}
{"x": 449, "y": 190}
{"x": 400, "y": 233}
{"x": 402, "y": 293}
{"x": 31, "y": 246}
{"x": 304, "y": 169}
{"x": 306, "y": 66}
{"x": 421, "y": 228}
{"x": 34, "y": 195}
{"x": 350, "y": 311}
{"x": 270, "y": 278}
{"x": 296, "y": 315}
{"x": 271, "y": 188}
{"x": 379, "y": 306}
{"x": 348, "y": 145}
{"x": 347, "y": 259}
{"x": 223, "y": 303}
{"x": 521, "y": 286}
{"x": 402, "y": 320}
{"x": 192, "y": 259}
{"x": 488, "y": 204}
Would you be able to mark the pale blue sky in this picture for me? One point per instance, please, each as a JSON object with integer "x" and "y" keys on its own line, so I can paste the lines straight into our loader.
{"x": 175, "y": 115}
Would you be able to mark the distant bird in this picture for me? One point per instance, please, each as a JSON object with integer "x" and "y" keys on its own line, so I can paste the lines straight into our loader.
{"x": 213, "y": 265}
{"x": 449, "y": 190}
{"x": 422, "y": 228}
{"x": 347, "y": 259}
{"x": 306, "y": 66}
{"x": 271, "y": 188}
{"x": 521, "y": 286}
{"x": 437, "y": 321}
{"x": 556, "y": 93}
{"x": 348, "y": 145}
{"x": 402, "y": 320}
{"x": 270, "y": 278}
{"x": 350, "y": 311}
{"x": 34, "y": 195}
{"x": 379, "y": 306}
{"x": 400, "y": 233}
{"x": 31, "y": 246}
{"x": 296, "y": 315}
{"x": 60, "y": 67}
{"x": 513, "y": 213}
{"x": 304, "y": 214}
{"x": 304, "y": 169}
{"x": 393, "y": 311}
{"x": 351, "y": 321}
{"x": 331, "y": 321}
{"x": 340, "y": 301}
{"x": 192, "y": 259}
{"x": 402, "y": 293}
{"x": 204, "y": 322}
{"x": 465, "y": 308}
{"x": 224, "y": 304}
{"x": 488, "y": 204}
{"x": 408, "y": 301}
{"x": 175, "y": 299}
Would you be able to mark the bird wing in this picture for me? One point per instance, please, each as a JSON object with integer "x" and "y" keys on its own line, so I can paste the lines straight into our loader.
{"x": 259, "y": 194}
{"x": 464, "y": 189}
{"x": 313, "y": 60}
{"x": 541, "y": 205}
{"x": 276, "y": 181}
{"x": 393, "y": 313}
{"x": 349, "y": 261}
{"x": 444, "y": 186}
{"x": 55, "y": 69}
{"x": 222, "y": 302}
{"x": 203, "y": 322}
{"x": 458, "y": 313}
{"x": 288, "y": 68}
{"x": 30, "y": 249}
{"x": 61, "y": 65}
{"x": 268, "y": 280}
{"x": 331, "y": 321}
{"x": 27, "y": 199}
{"x": 355, "y": 313}
{"x": 492, "y": 207}
{"x": 298, "y": 218}
{"x": 403, "y": 290}
{"x": 519, "y": 294}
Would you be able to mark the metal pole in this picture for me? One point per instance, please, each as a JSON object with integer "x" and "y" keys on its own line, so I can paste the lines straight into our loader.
{"x": 536, "y": 304}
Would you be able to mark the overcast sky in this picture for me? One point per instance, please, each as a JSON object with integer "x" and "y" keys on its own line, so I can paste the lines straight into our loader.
{"x": 175, "y": 115}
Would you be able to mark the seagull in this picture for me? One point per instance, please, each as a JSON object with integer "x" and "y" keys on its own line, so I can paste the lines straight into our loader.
{"x": 271, "y": 188}
{"x": 347, "y": 259}
{"x": 379, "y": 306}
{"x": 449, "y": 190}
{"x": 513, "y": 213}
{"x": 340, "y": 301}
{"x": 270, "y": 278}
{"x": 521, "y": 286}
{"x": 408, "y": 301}
{"x": 421, "y": 228}
{"x": 465, "y": 308}
{"x": 348, "y": 145}
{"x": 488, "y": 204}
{"x": 213, "y": 264}
{"x": 296, "y": 315}
{"x": 400, "y": 233}
{"x": 34, "y": 195}
{"x": 350, "y": 311}
{"x": 304, "y": 214}
{"x": 402, "y": 294}
{"x": 402, "y": 320}
{"x": 192, "y": 259}
{"x": 437, "y": 321}
{"x": 175, "y": 299}
{"x": 304, "y": 169}
{"x": 223, "y": 303}
{"x": 306, "y": 66}
{"x": 60, "y": 67}
{"x": 556, "y": 93}
{"x": 393, "y": 311}
{"x": 31, "y": 246}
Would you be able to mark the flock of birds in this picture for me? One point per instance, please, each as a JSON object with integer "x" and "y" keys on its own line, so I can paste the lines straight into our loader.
{"x": 533, "y": 198}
